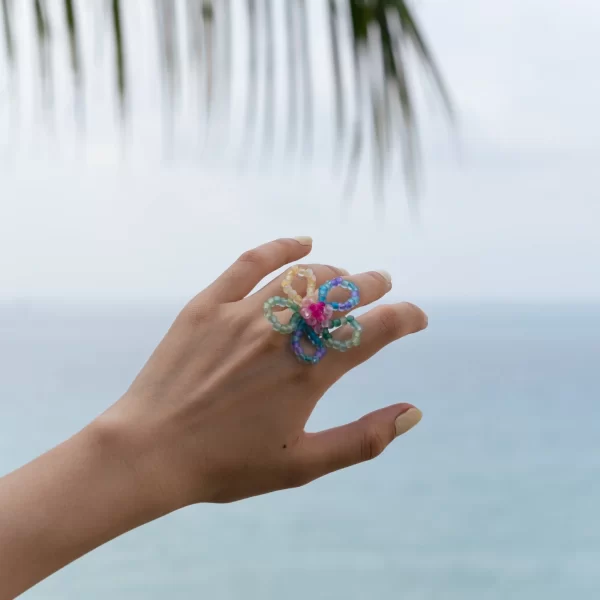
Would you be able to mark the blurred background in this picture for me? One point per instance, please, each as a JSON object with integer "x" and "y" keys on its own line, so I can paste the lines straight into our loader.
{"x": 146, "y": 144}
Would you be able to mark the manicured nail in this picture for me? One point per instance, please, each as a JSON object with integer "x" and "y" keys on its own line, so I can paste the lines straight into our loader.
{"x": 343, "y": 271}
{"x": 407, "y": 420}
{"x": 305, "y": 240}
{"x": 385, "y": 275}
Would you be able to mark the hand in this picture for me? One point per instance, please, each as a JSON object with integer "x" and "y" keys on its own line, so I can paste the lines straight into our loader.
{"x": 218, "y": 412}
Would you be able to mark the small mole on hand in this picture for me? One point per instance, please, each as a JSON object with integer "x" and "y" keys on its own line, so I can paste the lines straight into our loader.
{"x": 285, "y": 445}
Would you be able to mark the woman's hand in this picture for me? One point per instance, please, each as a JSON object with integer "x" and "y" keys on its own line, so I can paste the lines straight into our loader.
{"x": 218, "y": 412}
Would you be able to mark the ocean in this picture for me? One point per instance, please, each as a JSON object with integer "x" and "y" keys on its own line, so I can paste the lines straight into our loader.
{"x": 495, "y": 495}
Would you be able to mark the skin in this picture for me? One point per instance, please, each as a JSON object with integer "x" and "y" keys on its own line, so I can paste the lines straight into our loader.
{"x": 217, "y": 414}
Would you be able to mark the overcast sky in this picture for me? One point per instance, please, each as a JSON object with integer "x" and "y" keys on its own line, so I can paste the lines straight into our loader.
{"x": 510, "y": 207}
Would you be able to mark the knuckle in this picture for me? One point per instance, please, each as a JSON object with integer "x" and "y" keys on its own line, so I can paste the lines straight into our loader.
{"x": 254, "y": 257}
{"x": 378, "y": 280}
{"x": 418, "y": 319}
{"x": 285, "y": 248}
{"x": 389, "y": 321}
{"x": 335, "y": 271}
{"x": 324, "y": 271}
{"x": 301, "y": 374}
{"x": 297, "y": 475}
{"x": 372, "y": 444}
{"x": 197, "y": 312}
{"x": 271, "y": 341}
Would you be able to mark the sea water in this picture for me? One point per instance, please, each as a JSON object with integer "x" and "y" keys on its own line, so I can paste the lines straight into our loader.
{"x": 494, "y": 496}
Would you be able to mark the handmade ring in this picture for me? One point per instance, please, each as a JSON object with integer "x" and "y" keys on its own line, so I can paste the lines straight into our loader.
{"x": 313, "y": 315}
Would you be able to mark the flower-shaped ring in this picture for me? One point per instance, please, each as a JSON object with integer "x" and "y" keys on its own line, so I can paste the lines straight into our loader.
{"x": 313, "y": 315}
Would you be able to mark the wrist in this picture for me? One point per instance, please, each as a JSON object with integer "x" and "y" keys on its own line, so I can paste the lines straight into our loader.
{"x": 76, "y": 497}
{"x": 137, "y": 450}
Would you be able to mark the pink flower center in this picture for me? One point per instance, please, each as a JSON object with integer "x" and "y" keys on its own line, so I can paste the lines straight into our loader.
{"x": 318, "y": 310}
{"x": 316, "y": 314}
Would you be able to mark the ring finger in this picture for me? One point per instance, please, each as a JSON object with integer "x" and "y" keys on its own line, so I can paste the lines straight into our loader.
{"x": 380, "y": 326}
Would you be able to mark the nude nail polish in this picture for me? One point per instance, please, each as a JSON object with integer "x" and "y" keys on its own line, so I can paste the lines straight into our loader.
{"x": 386, "y": 275}
{"x": 407, "y": 420}
{"x": 305, "y": 240}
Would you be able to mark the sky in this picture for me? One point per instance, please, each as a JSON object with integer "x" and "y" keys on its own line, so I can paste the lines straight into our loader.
{"x": 509, "y": 199}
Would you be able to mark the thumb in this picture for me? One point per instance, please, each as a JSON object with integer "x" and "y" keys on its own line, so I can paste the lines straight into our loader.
{"x": 356, "y": 442}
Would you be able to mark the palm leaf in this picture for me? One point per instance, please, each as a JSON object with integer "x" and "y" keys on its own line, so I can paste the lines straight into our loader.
{"x": 292, "y": 71}
{"x": 119, "y": 54}
{"x": 8, "y": 35}
{"x": 373, "y": 101}
{"x": 42, "y": 28}
{"x": 306, "y": 75}
{"x": 252, "y": 97}
{"x": 269, "y": 111}
{"x": 337, "y": 69}
{"x": 73, "y": 41}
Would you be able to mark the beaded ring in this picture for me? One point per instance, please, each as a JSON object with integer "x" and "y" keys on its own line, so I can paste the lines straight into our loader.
{"x": 313, "y": 315}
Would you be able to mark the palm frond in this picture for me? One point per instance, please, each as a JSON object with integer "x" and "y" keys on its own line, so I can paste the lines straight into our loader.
{"x": 208, "y": 15}
{"x": 9, "y": 43}
{"x": 71, "y": 22}
{"x": 372, "y": 49}
{"x": 119, "y": 54}
{"x": 292, "y": 71}
{"x": 269, "y": 111}
{"x": 413, "y": 36}
{"x": 42, "y": 23}
{"x": 252, "y": 94}
{"x": 307, "y": 85}
{"x": 337, "y": 69}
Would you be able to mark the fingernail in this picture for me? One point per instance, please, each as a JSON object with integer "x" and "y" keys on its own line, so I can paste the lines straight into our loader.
{"x": 305, "y": 240}
{"x": 385, "y": 275}
{"x": 407, "y": 420}
{"x": 343, "y": 271}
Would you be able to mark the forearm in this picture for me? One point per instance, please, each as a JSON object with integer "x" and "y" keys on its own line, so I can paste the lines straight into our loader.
{"x": 65, "y": 503}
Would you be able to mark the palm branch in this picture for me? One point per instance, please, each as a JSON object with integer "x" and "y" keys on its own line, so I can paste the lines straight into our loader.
{"x": 372, "y": 48}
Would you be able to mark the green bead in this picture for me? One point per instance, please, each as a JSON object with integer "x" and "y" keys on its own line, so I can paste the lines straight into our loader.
{"x": 336, "y": 322}
{"x": 349, "y": 318}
